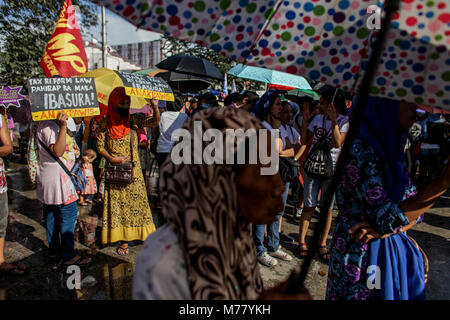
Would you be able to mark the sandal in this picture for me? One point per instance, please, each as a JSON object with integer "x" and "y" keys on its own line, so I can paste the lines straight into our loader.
{"x": 324, "y": 256}
{"x": 303, "y": 252}
{"x": 122, "y": 251}
{"x": 83, "y": 204}
{"x": 14, "y": 270}
{"x": 78, "y": 262}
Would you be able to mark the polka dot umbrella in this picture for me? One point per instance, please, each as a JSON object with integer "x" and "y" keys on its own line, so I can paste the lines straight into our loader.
{"x": 324, "y": 40}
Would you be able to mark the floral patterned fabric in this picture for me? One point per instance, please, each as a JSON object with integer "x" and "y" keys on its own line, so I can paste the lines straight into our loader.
{"x": 360, "y": 196}
{"x": 91, "y": 185}
{"x": 3, "y": 187}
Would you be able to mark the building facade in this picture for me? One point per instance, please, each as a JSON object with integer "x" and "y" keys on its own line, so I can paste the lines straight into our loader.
{"x": 114, "y": 60}
{"x": 144, "y": 54}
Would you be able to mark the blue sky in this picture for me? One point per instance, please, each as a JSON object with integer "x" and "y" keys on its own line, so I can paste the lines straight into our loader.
{"x": 119, "y": 30}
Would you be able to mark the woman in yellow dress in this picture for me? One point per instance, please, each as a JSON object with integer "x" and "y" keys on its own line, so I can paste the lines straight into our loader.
{"x": 126, "y": 211}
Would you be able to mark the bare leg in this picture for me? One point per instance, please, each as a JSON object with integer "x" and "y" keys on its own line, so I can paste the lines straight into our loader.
{"x": 305, "y": 219}
{"x": 2, "y": 250}
{"x": 326, "y": 230}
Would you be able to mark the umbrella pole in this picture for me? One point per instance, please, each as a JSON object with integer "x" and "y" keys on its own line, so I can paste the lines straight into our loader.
{"x": 297, "y": 280}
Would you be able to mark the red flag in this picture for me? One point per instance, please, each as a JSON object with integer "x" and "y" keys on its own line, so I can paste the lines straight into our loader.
{"x": 65, "y": 54}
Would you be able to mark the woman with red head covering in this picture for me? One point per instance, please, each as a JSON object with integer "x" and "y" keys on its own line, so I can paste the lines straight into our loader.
{"x": 126, "y": 212}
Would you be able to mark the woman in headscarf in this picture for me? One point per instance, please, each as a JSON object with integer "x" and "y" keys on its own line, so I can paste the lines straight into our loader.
{"x": 269, "y": 110}
{"x": 126, "y": 212}
{"x": 206, "y": 249}
{"x": 371, "y": 256}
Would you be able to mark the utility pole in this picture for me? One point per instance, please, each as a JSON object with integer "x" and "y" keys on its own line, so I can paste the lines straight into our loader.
{"x": 104, "y": 60}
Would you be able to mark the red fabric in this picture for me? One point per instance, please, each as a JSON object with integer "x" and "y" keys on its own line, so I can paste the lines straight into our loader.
{"x": 65, "y": 54}
{"x": 433, "y": 110}
{"x": 103, "y": 111}
{"x": 118, "y": 126}
{"x": 142, "y": 136}
{"x": 280, "y": 87}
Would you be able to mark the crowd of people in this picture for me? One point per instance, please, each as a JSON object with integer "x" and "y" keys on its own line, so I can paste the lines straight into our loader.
{"x": 218, "y": 221}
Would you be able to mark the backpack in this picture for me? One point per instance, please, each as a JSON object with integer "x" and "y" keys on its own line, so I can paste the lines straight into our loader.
{"x": 319, "y": 164}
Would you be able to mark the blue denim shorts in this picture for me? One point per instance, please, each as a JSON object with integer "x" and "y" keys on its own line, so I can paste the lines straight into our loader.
{"x": 312, "y": 187}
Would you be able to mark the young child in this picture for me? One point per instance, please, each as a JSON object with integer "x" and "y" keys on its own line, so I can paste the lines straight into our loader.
{"x": 101, "y": 188}
{"x": 88, "y": 171}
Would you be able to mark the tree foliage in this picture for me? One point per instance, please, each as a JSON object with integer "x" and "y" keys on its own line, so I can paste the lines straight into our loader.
{"x": 173, "y": 46}
{"x": 25, "y": 29}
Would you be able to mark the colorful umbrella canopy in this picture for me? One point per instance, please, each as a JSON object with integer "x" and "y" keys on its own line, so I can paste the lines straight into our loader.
{"x": 191, "y": 65}
{"x": 269, "y": 76}
{"x": 324, "y": 40}
{"x": 138, "y": 87}
{"x": 302, "y": 93}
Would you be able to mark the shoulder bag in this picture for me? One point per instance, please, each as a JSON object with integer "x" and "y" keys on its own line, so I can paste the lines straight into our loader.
{"x": 121, "y": 173}
{"x": 75, "y": 174}
{"x": 289, "y": 168}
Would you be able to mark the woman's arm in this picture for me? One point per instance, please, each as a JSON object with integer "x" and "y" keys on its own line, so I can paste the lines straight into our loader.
{"x": 417, "y": 205}
{"x": 337, "y": 136}
{"x": 288, "y": 153}
{"x": 301, "y": 149}
{"x": 5, "y": 138}
{"x": 60, "y": 146}
{"x": 306, "y": 135}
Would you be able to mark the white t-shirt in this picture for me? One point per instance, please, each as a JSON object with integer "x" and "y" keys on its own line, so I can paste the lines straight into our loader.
{"x": 54, "y": 186}
{"x": 170, "y": 121}
{"x": 290, "y": 133}
{"x": 267, "y": 125}
{"x": 317, "y": 128}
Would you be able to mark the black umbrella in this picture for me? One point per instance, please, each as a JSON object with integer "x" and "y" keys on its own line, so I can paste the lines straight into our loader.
{"x": 184, "y": 82}
{"x": 191, "y": 65}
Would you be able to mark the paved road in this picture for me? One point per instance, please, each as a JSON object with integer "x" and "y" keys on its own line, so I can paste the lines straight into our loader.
{"x": 110, "y": 276}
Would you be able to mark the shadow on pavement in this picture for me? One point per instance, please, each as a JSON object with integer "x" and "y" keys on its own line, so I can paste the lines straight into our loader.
{"x": 437, "y": 220}
{"x": 437, "y": 250}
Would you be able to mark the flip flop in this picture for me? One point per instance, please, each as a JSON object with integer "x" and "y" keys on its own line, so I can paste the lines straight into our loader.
{"x": 303, "y": 252}
{"x": 16, "y": 270}
{"x": 122, "y": 252}
{"x": 78, "y": 262}
{"x": 324, "y": 256}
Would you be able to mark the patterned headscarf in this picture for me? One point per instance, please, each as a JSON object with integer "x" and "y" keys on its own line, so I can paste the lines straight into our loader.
{"x": 262, "y": 106}
{"x": 201, "y": 202}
